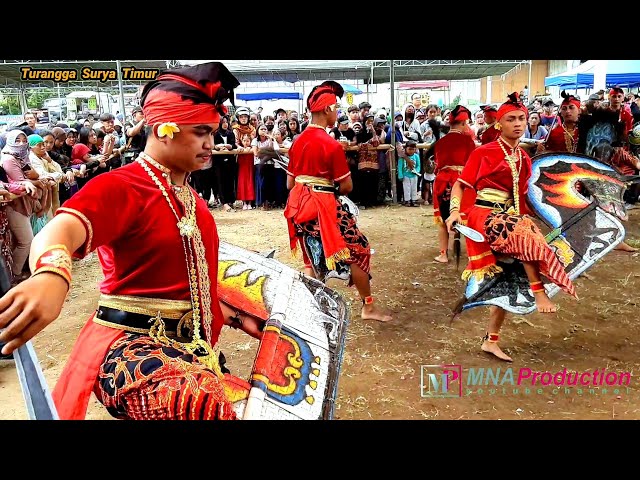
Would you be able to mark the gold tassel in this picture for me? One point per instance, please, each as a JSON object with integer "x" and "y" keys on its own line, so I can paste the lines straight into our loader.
{"x": 438, "y": 220}
{"x": 211, "y": 360}
{"x": 341, "y": 255}
{"x": 482, "y": 273}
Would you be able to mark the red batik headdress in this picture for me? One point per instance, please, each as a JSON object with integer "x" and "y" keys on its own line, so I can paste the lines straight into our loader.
{"x": 192, "y": 95}
{"x": 324, "y": 95}
{"x": 459, "y": 114}
{"x": 510, "y": 105}
{"x": 569, "y": 99}
{"x": 489, "y": 113}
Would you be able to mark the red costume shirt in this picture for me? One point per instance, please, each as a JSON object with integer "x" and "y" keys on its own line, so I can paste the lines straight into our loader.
{"x": 452, "y": 150}
{"x": 141, "y": 253}
{"x": 487, "y": 168}
{"x": 316, "y": 154}
{"x": 627, "y": 118}
{"x": 489, "y": 135}
{"x": 558, "y": 141}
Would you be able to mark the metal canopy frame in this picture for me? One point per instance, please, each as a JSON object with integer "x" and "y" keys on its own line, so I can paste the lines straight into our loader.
{"x": 290, "y": 71}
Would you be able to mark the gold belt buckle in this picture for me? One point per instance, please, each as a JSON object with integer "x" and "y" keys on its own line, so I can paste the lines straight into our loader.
{"x": 186, "y": 322}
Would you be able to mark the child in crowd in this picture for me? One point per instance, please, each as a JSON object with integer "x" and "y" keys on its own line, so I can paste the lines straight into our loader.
{"x": 408, "y": 168}
{"x": 245, "y": 191}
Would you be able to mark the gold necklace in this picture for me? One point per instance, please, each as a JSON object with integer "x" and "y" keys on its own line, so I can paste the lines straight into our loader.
{"x": 512, "y": 159}
{"x": 569, "y": 139}
{"x": 198, "y": 277}
{"x": 315, "y": 125}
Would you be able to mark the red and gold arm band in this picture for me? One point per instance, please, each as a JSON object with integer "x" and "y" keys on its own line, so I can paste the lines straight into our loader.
{"x": 454, "y": 204}
{"x": 55, "y": 259}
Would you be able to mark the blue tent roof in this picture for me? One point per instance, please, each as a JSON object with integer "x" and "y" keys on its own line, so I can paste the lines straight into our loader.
{"x": 269, "y": 96}
{"x": 623, "y": 73}
{"x": 576, "y": 80}
{"x": 623, "y": 79}
{"x": 351, "y": 89}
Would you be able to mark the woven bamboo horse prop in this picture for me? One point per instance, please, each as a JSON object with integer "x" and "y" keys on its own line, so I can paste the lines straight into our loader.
{"x": 584, "y": 227}
{"x": 297, "y": 366}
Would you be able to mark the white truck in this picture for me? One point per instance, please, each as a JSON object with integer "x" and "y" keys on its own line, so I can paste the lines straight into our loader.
{"x": 82, "y": 103}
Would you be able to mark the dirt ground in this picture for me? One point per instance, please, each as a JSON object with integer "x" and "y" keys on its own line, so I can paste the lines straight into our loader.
{"x": 381, "y": 374}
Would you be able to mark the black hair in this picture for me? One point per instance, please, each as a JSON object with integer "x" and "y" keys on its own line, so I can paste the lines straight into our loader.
{"x": 105, "y": 117}
{"x": 83, "y": 135}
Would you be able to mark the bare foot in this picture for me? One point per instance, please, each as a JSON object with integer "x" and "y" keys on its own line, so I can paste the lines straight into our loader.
{"x": 544, "y": 304}
{"x": 442, "y": 258}
{"x": 493, "y": 348}
{"x": 625, "y": 247}
{"x": 372, "y": 312}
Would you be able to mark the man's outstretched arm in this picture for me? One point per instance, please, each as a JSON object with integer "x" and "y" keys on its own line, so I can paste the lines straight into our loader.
{"x": 29, "y": 307}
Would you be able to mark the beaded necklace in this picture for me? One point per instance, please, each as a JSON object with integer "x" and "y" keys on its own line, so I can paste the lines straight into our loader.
{"x": 569, "y": 139}
{"x": 512, "y": 159}
{"x": 199, "y": 283}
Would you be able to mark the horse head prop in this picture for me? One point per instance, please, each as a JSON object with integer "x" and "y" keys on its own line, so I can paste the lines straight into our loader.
{"x": 580, "y": 200}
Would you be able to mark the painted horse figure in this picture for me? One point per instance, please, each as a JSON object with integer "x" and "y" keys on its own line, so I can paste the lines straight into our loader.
{"x": 581, "y": 202}
{"x": 297, "y": 366}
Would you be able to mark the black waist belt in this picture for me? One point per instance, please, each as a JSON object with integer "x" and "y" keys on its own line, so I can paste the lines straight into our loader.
{"x": 496, "y": 205}
{"x": 323, "y": 188}
{"x": 139, "y": 323}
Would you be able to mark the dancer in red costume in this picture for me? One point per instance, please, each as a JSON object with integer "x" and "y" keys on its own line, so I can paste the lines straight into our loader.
{"x": 451, "y": 153}
{"x": 564, "y": 135}
{"x": 316, "y": 163}
{"x": 491, "y": 131}
{"x": 496, "y": 176}
{"x": 148, "y": 352}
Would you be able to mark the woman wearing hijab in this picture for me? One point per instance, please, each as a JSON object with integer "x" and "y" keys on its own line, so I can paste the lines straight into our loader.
{"x": 15, "y": 162}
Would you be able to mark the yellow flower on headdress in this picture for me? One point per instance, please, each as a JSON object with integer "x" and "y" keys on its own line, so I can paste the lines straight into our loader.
{"x": 167, "y": 129}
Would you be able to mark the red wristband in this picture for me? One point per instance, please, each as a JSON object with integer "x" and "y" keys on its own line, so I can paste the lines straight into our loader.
{"x": 55, "y": 259}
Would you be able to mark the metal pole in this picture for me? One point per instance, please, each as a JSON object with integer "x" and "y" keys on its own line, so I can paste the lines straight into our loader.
{"x": 529, "y": 84}
{"x": 23, "y": 101}
{"x": 122, "y": 109}
{"x": 394, "y": 188}
{"x": 370, "y": 82}
{"x": 59, "y": 103}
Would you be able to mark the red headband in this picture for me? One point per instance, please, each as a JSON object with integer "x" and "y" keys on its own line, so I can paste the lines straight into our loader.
{"x": 489, "y": 111}
{"x": 615, "y": 91}
{"x": 459, "y": 114}
{"x": 511, "y": 105}
{"x": 571, "y": 100}
{"x": 191, "y": 95}
{"x": 324, "y": 95}
{"x": 321, "y": 98}
{"x": 163, "y": 106}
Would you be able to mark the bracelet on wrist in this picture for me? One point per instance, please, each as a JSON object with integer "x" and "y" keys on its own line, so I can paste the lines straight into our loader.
{"x": 55, "y": 259}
